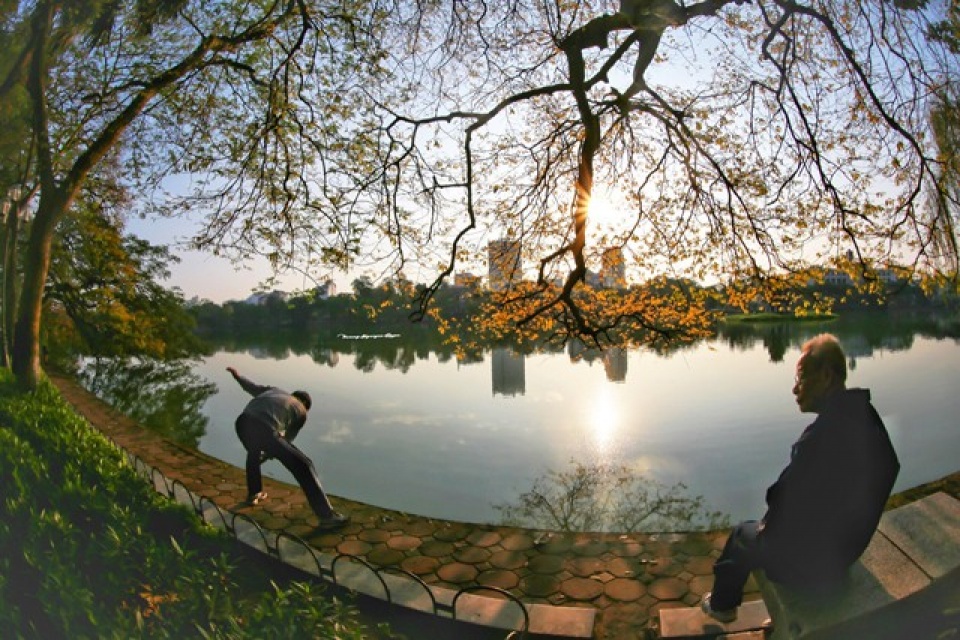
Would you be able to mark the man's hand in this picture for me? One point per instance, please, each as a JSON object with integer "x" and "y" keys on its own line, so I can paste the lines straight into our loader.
{"x": 233, "y": 371}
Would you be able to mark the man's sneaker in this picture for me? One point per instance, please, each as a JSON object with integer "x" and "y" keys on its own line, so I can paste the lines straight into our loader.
{"x": 256, "y": 498}
{"x": 722, "y": 615}
{"x": 335, "y": 521}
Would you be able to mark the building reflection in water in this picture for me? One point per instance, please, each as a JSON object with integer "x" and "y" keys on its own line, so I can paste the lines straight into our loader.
{"x": 614, "y": 359}
{"x": 509, "y": 372}
{"x": 615, "y": 364}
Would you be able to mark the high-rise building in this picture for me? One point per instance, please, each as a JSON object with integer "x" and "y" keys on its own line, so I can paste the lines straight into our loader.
{"x": 613, "y": 269}
{"x": 504, "y": 264}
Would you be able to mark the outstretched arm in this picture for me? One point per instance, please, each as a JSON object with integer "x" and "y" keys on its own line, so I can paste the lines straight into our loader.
{"x": 248, "y": 385}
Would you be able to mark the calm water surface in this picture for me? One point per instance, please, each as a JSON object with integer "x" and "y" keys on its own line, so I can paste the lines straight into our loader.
{"x": 410, "y": 430}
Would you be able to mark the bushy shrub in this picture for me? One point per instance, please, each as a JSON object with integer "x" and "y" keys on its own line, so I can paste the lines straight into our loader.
{"x": 89, "y": 550}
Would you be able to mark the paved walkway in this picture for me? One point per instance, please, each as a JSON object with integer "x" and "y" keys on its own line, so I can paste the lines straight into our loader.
{"x": 627, "y": 578}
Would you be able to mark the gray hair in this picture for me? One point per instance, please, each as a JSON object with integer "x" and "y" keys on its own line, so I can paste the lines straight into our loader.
{"x": 824, "y": 353}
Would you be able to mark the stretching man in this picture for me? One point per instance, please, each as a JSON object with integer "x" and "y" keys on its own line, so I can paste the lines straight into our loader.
{"x": 267, "y": 427}
{"x": 827, "y": 502}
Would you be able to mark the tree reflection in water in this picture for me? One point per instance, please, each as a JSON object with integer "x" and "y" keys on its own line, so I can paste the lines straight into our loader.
{"x": 165, "y": 396}
{"x": 601, "y": 497}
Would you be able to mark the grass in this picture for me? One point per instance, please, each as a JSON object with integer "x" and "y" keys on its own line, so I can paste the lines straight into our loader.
{"x": 89, "y": 550}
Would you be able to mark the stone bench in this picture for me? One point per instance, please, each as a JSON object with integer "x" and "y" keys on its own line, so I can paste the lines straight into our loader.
{"x": 915, "y": 546}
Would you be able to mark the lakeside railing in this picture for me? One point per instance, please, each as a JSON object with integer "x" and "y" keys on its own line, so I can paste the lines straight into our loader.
{"x": 392, "y": 584}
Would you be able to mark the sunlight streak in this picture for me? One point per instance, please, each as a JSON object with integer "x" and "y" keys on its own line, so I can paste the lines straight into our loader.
{"x": 604, "y": 419}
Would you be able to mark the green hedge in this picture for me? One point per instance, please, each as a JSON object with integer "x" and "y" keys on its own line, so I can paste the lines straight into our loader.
{"x": 89, "y": 550}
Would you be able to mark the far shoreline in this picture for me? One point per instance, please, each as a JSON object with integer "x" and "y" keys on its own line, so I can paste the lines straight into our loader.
{"x": 779, "y": 317}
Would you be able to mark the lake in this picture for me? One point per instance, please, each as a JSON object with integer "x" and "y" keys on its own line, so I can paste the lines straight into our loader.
{"x": 411, "y": 427}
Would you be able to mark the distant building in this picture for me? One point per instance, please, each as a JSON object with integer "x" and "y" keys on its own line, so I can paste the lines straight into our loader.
{"x": 613, "y": 269}
{"x": 466, "y": 280}
{"x": 263, "y": 298}
{"x": 835, "y": 278}
{"x": 325, "y": 290}
{"x": 593, "y": 279}
{"x": 504, "y": 266}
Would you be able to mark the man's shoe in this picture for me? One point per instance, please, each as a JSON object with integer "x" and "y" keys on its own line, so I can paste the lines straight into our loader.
{"x": 335, "y": 521}
{"x": 721, "y": 615}
{"x": 256, "y": 498}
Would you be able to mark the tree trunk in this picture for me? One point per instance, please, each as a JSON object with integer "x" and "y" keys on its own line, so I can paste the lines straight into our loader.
{"x": 9, "y": 299}
{"x": 26, "y": 338}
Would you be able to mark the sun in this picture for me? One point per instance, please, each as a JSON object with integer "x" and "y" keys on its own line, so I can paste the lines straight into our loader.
{"x": 606, "y": 209}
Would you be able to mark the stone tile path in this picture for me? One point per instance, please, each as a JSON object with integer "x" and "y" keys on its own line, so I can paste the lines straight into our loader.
{"x": 625, "y": 579}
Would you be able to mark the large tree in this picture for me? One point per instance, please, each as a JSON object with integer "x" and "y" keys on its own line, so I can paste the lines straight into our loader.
{"x": 105, "y": 295}
{"x": 746, "y": 140}
{"x": 169, "y": 86}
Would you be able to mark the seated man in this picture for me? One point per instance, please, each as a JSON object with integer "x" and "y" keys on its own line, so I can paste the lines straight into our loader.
{"x": 826, "y": 504}
{"x": 267, "y": 427}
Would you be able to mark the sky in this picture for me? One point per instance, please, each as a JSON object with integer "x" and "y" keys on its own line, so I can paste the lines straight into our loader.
{"x": 205, "y": 276}
{"x": 208, "y": 277}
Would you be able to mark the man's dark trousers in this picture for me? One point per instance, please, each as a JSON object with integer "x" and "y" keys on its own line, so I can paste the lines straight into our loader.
{"x": 258, "y": 438}
{"x": 742, "y": 554}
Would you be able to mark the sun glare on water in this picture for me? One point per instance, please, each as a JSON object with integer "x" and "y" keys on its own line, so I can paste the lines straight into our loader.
{"x": 604, "y": 422}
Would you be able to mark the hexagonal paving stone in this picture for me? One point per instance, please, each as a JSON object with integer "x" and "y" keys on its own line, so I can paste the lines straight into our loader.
{"x": 586, "y": 567}
{"x": 699, "y": 565}
{"x": 627, "y": 548}
{"x": 668, "y": 589}
{"x": 663, "y": 566}
{"x": 545, "y": 564}
{"x": 581, "y": 589}
{"x": 501, "y": 579}
{"x": 451, "y": 532}
{"x": 482, "y": 538}
{"x": 701, "y": 584}
{"x": 436, "y": 549}
{"x": 623, "y": 568}
{"x": 354, "y": 547}
{"x": 590, "y": 548}
{"x": 508, "y": 559}
{"x": 471, "y": 555}
{"x": 558, "y": 543}
{"x": 420, "y": 528}
{"x": 624, "y": 590}
{"x": 404, "y": 543}
{"x": 517, "y": 542}
{"x": 457, "y": 572}
{"x": 385, "y": 556}
{"x": 623, "y": 621}
{"x": 323, "y": 541}
{"x": 420, "y": 565}
{"x": 374, "y": 535}
{"x": 539, "y": 585}
{"x": 276, "y": 523}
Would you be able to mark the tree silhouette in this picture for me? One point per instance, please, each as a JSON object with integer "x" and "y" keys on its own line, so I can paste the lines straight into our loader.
{"x": 749, "y": 141}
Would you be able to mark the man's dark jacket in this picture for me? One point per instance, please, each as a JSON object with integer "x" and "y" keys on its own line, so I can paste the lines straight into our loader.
{"x": 826, "y": 504}
{"x": 284, "y": 414}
